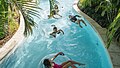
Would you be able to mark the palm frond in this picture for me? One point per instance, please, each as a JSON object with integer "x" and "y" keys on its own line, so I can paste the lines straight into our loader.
{"x": 28, "y": 28}
{"x": 33, "y": 13}
{"x": 51, "y": 4}
{"x": 114, "y": 26}
{"x": 31, "y": 6}
{"x": 28, "y": 9}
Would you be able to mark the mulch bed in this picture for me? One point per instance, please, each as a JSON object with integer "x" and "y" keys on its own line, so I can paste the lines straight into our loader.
{"x": 7, "y": 38}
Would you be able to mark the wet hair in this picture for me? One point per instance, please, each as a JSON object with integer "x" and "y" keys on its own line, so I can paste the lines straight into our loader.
{"x": 47, "y": 64}
{"x": 55, "y": 28}
{"x": 56, "y": 6}
{"x": 70, "y": 16}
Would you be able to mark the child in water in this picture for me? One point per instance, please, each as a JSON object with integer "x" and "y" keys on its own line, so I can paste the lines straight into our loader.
{"x": 56, "y": 31}
{"x": 54, "y": 12}
{"x": 75, "y": 20}
{"x": 48, "y": 63}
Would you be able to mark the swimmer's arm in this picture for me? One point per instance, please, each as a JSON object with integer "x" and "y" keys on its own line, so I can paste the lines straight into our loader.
{"x": 59, "y": 15}
{"x": 56, "y": 55}
{"x": 77, "y": 16}
{"x": 62, "y": 31}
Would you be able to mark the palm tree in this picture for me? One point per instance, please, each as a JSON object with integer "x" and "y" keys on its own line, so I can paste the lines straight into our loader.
{"x": 28, "y": 9}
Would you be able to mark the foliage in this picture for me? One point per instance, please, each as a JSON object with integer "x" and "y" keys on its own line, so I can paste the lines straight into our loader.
{"x": 90, "y": 10}
{"x": 89, "y": 3}
{"x": 3, "y": 18}
{"x": 7, "y": 17}
{"x": 2, "y": 33}
{"x": 13, "y": 20}
{"x": 28, "y": 9}
{"x": 108, "y": 9}
{"x": 114, "y": 26}
{"x": 105, "y": 13}
{"x": 52, "y": 4}
{"x": 85, "y": 3}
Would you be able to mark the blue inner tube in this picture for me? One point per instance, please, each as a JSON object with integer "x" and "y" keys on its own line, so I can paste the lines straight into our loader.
{"x": 59, "y": 59}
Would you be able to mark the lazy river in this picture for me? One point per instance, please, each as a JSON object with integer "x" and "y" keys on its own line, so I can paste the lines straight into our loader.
{"x": 80, "y": 44}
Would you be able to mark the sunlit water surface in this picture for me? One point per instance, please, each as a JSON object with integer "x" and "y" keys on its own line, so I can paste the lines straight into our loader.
{"x": 80, "y": 44}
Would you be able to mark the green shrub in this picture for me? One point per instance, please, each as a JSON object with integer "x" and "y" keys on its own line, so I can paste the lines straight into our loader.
{"x": 2, "y": 35}
{"x": 104, "y": 13}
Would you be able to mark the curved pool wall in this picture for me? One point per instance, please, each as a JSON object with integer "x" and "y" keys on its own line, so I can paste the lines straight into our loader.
{"x": 14, "y": 42}
{"x": 80, "y": 44}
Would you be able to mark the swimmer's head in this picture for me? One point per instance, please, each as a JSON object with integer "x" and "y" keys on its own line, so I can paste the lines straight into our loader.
{"x": 70, "y": 16}
{"x": 47, "y": 63}
{"x": 56, "y": 6}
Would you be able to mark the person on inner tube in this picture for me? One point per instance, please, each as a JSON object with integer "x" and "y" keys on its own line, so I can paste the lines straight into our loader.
{"x": 75, "y": 20}
{"x": 56, "y": 31}
{"x": 48, "y": 63}
{"x": 54, "y": 12}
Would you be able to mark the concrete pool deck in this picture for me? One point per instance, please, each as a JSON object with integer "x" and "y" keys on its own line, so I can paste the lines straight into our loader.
{"x": 114, "y": 49}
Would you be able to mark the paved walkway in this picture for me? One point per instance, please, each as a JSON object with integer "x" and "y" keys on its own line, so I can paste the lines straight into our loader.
{"x": 114, "y": 49}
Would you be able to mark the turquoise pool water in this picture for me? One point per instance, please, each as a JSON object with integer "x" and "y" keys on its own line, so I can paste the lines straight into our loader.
{"x": 80, "y": 44}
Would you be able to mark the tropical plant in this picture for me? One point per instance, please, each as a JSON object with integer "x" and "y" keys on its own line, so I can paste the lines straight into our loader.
{"x": 89, "y": 3}
{"x": 28, "y": 9}
{"x": 85, "y": 3}
{"x": 3, "y": 18}
{"x": 52, "y": 4}
{"x": 114, "y": 26}
{"x": 108, "y": 9}
{"x": 106, "y": 13}
{"x": 89, "y": 8}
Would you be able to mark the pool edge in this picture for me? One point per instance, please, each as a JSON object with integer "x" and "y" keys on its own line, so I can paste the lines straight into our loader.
{"x": 16, "y": 39}
{"x": 75, "y": 6}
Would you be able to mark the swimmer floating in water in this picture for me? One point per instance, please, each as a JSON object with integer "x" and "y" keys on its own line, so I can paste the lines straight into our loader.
{"x": 77, "y": 21}
{"x": 54, "y": 12}
{"x": 48, "y": 63}
{"x": 55, "y": 31}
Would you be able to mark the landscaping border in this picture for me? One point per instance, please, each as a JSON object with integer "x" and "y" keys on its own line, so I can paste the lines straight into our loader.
{"x": 16, "y": 39}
